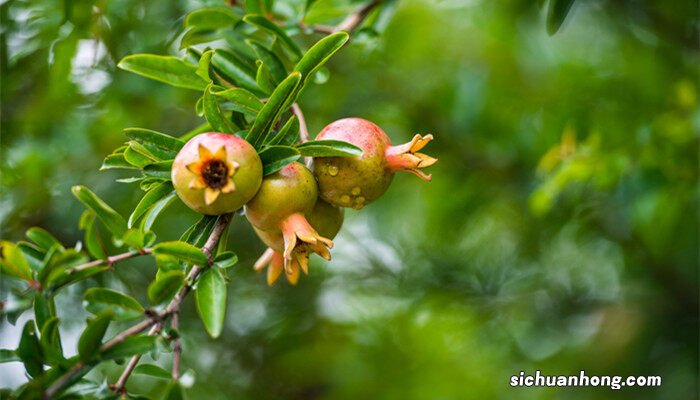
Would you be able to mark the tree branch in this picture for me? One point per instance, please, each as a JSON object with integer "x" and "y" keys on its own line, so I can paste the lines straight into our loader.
{"x": 173, "y": 307}
{"x": 154, "y": 321}
{"x": 355, "y": 19}
{"x": 110, "y": 260}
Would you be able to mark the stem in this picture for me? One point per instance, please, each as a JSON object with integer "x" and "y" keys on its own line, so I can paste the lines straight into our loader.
{"x": 173, "y": 307}
{"x": 177, "y": 347}
{"x": 355, "y": 19}
{"x": 154, "y": 321}
{"x": 303, "y": 131}
{"x": 110, "y": 260}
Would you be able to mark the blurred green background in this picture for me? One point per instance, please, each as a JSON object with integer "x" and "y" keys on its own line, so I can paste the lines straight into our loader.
{"x": 559, "y": 233}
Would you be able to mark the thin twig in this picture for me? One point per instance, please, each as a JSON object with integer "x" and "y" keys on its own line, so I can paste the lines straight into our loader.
{"x": 154, "y": 321}
{"x": 303, "y": 131}
{"x": 177, "y": 346}
{"x": 110, "y": 260}
{"x": 355, "y": 19}
{"x": 174, "y": 306}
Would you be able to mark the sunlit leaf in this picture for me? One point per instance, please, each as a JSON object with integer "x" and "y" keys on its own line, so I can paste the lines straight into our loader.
{"x": 184, "y": 251}
{"x": 131, "y": 346}
{"x": 166, "y": 69}
{"x": 276, "y": 104}
{"x": 149, "y": 199}
{"x": 275, "y": 158}
{"x": 328, "y": 148}
{"x": 114, "y": 222}
{"x": 264, "y": 23}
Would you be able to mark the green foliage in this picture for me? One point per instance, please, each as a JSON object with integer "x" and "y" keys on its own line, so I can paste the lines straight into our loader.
{"x": 557, "y": 234}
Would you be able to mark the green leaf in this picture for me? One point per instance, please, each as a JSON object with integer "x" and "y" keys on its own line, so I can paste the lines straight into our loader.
{"x": 29, "y": 350}
{"x": 278, "y": 101}
{"x": 137, "y": 158}
{"x": 153, "y": 212}
{"x": 183, "y": 251}
{"x": 91, "y": 338}
{"x": 226, "y": 259}
{"x": 263, "y": 78}
{"x": 166, "y": 286}
{"x": 319, "y": 53}
{"x": 131, "y": 346}
{"x": 558, "y": 10}
{"x": 288, "y": 135}
{"x": 235, "y": 70}
{"x": 116, "y": 161}
{"x": 266, "y": 24}
{"x": 149, "y": 199}
{"x": 166, "y": 69}
{"x": 42, "y": 310}
{"x": 204, "y": 64}
{"x": 274, "y": 158}
{"x": 198, "y": 233}
{"x": 42, "y": 238}
{"x": 114, "y": 222}
{"x": 173, "y": 392}
{"x": 255, "y": 6}
{"x": 242, "y": 100}
{"x": 93, "y": 241}
{"x": 152, "y": 370}
{"x": 277, "y": 70}
{"x": 33, "y": 254}
{"x": 211, "y": 301}
{"x": 123, "y": 307}
{"x": 328, "y": 148}
{"x": 160, "y": 170}
{"x": 7, "y": 355}
{"x": 161, "y": 140}
{"x": 308, "y": 5}
{"x": 211, "y": 18}
{"x": 13, "y": 263}
{"x": 213, "y": 113}
{"x": 51, "y": 342}
{"x": 196, "y": 36}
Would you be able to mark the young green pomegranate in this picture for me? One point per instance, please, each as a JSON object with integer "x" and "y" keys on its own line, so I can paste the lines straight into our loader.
{"x": 357, "y": 181}
{"x": 280, "y": 208}
{"x": 326, "y": 219}
{"x": 216, "y": 173}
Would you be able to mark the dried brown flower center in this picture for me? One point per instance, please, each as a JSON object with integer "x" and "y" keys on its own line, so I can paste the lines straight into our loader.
{"x": 215, "y": 173}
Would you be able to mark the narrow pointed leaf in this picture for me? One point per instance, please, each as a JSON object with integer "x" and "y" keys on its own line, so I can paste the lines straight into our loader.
{"x": 288, "y": 135}
{"x": 558, "y": 10}
{"x": 166, "y": 69}
{"x": 280, "y": 98}
{"x": 114, "y": 222}
{"x": 42, "y": 238}
{"x": 123, "y": 306}
{"x": 152, "y": 370}
{"x": 241, "y": 99}
{"x": 149, "y": 199}
{"x": 319, "y": 53}
{"x": 277, "y": 70}
{"x": 266, "y": 24}
{"x": 131, "y": 346}
{"x": 160, "y": 170}
{"x": 211, "y": 301}
{"x": 13, "y": 262}
{"x": 225, "y": 259}
{"x": 153, "y": 212}
{"x": 275, "y": 158}
{"x": 213, "y": 113}
{"x": 29, "y": 350}
{"x": 166, "y": 286}
{"x": 328, "y": 148}
{"x": 161, "y": 140}
{"x": 211, "y": 18}
{"x": 183, "y": 251}
{"x": 91, "y": 338}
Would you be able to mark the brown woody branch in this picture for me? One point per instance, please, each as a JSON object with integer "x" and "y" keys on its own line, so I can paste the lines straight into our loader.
{"x": 155, "y": 321}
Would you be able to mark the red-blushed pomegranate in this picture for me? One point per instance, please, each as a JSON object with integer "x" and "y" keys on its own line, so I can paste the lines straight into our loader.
{"x": 216, "y": 173}
{"x": 326, "y": 219}
{"x": 357, "y": 181}
{"x": 280, "y": 208}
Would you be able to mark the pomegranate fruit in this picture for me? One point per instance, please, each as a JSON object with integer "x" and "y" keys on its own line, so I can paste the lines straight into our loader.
{"x": 357, "y": 181}
{"x": 216, "y": 173}
{"x": 326, "y": 219}
{"x": 279, "y": 210}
